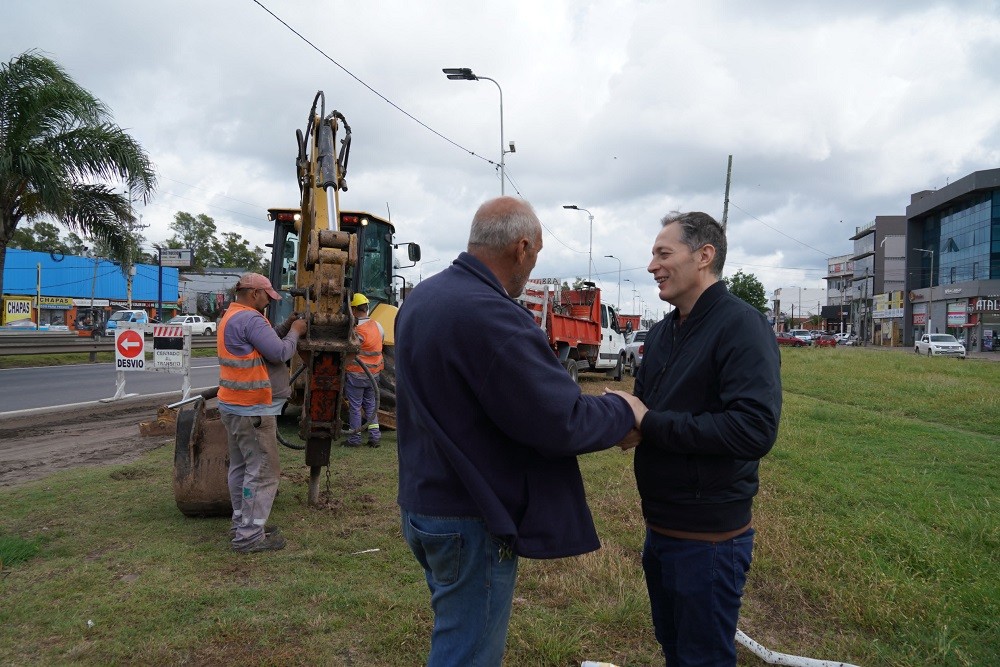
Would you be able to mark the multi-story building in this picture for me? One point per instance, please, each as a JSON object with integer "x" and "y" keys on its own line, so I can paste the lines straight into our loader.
{"x": 879, "y": 268}
{"x": 953, "y": 251}
{"x": 839, "y": 274}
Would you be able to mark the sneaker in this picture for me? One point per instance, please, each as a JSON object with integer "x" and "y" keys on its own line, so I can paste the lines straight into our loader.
{"x": 268, "y": 529}
{"x": 272, "y": 542}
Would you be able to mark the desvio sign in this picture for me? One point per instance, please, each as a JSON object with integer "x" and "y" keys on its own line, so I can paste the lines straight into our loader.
{"x": 130, "y": 350}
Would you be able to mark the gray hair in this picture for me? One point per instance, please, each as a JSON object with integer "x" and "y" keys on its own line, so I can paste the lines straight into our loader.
{"x": 502, "y": 221}
{"x": 700, "y": 229}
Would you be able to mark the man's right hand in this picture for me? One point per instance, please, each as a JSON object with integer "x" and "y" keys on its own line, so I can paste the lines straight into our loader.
{"x": 299, "y": 327}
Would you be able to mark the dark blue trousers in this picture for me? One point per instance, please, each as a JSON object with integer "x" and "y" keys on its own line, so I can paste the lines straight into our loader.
{"x": 695, "y": 589}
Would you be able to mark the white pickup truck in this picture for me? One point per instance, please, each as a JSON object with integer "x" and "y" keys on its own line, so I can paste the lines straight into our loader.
{"x": 633, "y": 351}
{"x": 200, "y": 326}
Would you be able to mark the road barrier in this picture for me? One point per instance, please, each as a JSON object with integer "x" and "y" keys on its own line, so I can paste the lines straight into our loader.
{"x": 49, "y": 343}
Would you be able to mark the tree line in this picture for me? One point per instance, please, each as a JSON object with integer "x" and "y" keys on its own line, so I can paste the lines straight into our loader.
{"x": 63, "y": 160}
{"x": 209, "y": 247}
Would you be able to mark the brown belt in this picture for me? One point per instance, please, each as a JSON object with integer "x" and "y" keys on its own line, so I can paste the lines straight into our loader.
{"x": 701, "y": 537}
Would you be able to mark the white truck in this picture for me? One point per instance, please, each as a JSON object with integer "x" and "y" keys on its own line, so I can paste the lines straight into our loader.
{"x": 200, "y": 326}
{"x": 133, "y": 316}
{"x": 584, "y": 332}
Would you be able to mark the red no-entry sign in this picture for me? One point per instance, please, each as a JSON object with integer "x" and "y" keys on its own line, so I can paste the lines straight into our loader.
{"x": 129, "y": 350}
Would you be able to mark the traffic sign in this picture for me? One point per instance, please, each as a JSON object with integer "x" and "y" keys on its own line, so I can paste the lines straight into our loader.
{"x": 172, "y": 348}
{"x": 130, "y": 352}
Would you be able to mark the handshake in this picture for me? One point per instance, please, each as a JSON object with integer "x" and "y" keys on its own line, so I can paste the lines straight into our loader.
{"x": 638, "y": 410}
{"x": 630, "y": 440}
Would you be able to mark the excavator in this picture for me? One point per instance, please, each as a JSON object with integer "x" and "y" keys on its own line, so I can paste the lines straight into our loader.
{"x": 321, "y": 256}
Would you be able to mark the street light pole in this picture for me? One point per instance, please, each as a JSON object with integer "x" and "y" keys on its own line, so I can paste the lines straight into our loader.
{"x": 799, "y": 308}
{"x": 619, "y": 281}
{"x": 931, "y": 290}
{"x": 590, "y": 254}
{"x": 466, "y": 74}
{"x": 420, "y": 271}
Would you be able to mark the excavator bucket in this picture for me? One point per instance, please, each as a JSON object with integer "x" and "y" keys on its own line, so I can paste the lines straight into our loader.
{"x": 201, "y": 462}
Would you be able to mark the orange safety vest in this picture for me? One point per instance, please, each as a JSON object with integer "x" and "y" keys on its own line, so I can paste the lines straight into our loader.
{"x": 371, "y": 348}
{"x": 242, "y": 380}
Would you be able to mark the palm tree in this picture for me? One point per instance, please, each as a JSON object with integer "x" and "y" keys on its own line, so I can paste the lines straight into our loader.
{"x": 58, "y": 146}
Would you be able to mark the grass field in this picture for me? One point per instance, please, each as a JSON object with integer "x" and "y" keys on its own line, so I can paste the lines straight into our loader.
{"x": 878, "y": 544}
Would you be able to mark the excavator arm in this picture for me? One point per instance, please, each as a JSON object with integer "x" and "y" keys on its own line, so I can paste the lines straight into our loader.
{"x": 326, "y": 258}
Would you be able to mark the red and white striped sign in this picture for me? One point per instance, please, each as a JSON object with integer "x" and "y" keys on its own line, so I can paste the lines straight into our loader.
{"x": 168, "y": 332}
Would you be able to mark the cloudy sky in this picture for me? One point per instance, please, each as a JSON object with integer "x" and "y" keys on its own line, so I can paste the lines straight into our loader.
{"x": 834, "y": 112}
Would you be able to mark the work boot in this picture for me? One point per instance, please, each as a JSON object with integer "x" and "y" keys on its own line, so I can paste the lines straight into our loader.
{"x": 272, "y": 542}
{"x": 268, "y": 529}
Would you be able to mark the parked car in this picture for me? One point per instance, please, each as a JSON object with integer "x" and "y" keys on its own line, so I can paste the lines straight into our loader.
{"x": 825, "y": 340}
{"x": 633, "y": 351}
{"x": 802, "y": 334}
{"x": 201, "y": 326}
{"x": 789, "y": 340}
{"x": 940, "y": 344}
{"x": 845, "y": 339}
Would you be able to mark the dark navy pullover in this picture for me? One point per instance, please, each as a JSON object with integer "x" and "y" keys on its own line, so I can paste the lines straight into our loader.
{"x": 489, "y": 421}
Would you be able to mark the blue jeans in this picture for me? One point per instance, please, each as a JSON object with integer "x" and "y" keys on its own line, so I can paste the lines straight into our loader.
{"x": 695, "y": 590}
{"x": 471, "y": 584}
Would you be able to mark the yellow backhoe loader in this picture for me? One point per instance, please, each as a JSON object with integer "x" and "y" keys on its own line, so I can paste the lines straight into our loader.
{"x": 321, "y": 256}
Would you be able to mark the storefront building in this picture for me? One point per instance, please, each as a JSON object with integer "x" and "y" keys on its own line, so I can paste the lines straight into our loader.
{"x": 953, "y": 260}
{"x": 62, "y": 291}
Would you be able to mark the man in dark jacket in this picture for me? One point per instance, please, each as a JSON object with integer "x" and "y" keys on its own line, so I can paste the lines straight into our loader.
{"x": 707, "y": 402}
{"x": 490, "y": 425}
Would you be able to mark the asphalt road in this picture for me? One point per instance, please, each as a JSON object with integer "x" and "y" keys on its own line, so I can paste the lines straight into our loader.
{"x": 49, "y": 386}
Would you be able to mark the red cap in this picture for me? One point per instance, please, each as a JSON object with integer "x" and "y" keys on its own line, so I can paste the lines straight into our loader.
{"x": 257, "y": 281}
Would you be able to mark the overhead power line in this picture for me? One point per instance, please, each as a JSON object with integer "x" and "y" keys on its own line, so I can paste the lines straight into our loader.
{"x": 380, "y": 95}
{"x": 802, "y": 243}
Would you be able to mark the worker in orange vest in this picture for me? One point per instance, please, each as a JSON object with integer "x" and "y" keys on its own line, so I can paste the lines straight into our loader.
{"x": 360, "y": 388}
{"x": 253, "y": 387}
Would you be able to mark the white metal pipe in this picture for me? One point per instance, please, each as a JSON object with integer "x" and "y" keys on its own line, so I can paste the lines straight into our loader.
{"x": 775, "y": 658}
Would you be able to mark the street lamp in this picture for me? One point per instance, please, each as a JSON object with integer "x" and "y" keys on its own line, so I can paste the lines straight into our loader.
{"x": 590, "y": 255}
{"x": 931, "y": 289}
{"x": 619, "y": 281}
{"x": 466, "y": 74}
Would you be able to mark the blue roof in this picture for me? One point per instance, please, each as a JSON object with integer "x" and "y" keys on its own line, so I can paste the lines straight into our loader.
{"x": 73, "y": 276}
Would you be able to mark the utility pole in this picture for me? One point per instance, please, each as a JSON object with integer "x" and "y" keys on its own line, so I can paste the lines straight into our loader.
{"x": 725, "y": 207}
{"x": 129, "y": 268}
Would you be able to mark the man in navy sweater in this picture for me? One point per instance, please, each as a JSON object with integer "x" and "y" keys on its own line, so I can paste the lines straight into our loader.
{"x": 490, "y": 425}
{"x": 707, "y": 403}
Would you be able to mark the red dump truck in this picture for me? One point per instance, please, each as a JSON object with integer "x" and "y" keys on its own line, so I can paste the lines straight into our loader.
{"x": 584, "y": 333}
